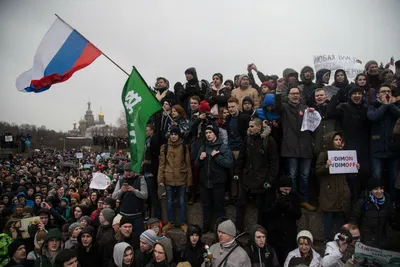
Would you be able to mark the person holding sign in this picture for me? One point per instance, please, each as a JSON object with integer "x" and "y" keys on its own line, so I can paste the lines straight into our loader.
{"x": 334, "y": 191}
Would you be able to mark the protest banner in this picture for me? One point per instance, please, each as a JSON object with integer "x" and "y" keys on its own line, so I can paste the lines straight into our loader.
{"x": 24, "y": 228}
{"x": 8, "y": 138}
{"x": 370, "y": 256}
{"x": 351, "y": 65}
{"x": 343, "y": 161}
{"x": 311, "y": 120}
{"x": 105, "y": 155}
{"x": 79, "y": 155}
{"x": 100, "y": 181}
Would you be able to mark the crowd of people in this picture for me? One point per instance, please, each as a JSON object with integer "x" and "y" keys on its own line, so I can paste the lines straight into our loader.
{"x": 220, "y": 143}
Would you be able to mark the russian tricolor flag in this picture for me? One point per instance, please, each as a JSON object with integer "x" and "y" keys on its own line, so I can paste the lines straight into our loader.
{"x": 62, "y": 52}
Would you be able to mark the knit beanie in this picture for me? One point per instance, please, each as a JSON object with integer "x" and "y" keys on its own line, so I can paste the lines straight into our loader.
{"x": 149, "y": 237}
{"x": 76, "y": 196}
{"x": 241, "y": 77}
{"x": 227, "y": 227}
{"x": 73, "y": 226}
{"x": 212, "y": 128}
{"x": 248, "y": 99}
{"x": 86, "y": 218}
{"x": 374, "y": 183}
{"x": 175, "y": 130}
{"x": 13, "y": 247}
{"x": 117, "y": 219}
{"x": 354, "y": 90}
{"x": 204, "y": 107}
{"x": 285, "y": 181}
{"x": 124, "y": 220}
{"x": 268, "y": 84}
{"x": 109, "y": 201}
{"x": 369, "y": 63}
{"x": 108, "y": 214}
{"x": 305, "y": 233}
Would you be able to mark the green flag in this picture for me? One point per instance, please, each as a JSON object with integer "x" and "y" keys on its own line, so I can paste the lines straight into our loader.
{"x": 139, "y": 104}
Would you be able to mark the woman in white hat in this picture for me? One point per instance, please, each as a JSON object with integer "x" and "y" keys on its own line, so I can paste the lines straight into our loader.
{"x": 304, "y": 253}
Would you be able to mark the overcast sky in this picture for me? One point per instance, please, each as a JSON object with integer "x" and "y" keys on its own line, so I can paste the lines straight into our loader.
{"x": 163, "y": 38}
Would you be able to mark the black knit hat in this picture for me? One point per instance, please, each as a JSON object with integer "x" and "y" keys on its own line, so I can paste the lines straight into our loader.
{"x": 13, "y": 247}
{"x": 124, "y": 220}
{"x": 397, "y": 64}
{"x": 374, "y": 183}
{"x": 175, "y": 130}
{"x": 193, "y": 229}
{"x": 212, "y": 128}
{"x": 354, "y": 90}
{"x": 64, "y": 256}
{"x": 285, "y": 181}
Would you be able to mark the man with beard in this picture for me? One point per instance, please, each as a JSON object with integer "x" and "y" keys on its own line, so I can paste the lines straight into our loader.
{"x": 192, "y": 87}
{"x": 290, "y": 80}
{"x": 383, "y": 114}
{"x": 161, "y": 90}
{"x": 372, "y": 72}
{"x": 297, "y": 145}
{"x": 307, "y": 86}
{"x": 352, "y": 116}
{"x": 257, "y": 168}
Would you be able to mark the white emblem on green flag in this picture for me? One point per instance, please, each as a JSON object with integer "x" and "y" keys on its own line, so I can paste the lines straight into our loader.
{"x": 140, "y": 104}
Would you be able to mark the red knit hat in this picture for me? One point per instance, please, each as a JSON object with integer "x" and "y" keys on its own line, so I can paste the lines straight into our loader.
{"x": 204, "y": 107}
{"x": 268, "y": 84}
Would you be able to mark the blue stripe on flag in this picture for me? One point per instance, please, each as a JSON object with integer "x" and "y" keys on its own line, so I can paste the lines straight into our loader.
{"x": 68, "y": 54}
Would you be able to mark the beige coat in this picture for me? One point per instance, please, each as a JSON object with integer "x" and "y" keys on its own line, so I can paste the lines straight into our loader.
{"x": 241, "y": 94}
{"x": 174, "y": 169}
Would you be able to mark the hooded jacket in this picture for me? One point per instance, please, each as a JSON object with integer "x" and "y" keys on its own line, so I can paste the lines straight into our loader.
{"x": 334, "y": 191}
{"x": 175, "y": 167}
{"x": 307, "y": 86}
{"x": 213, "y": 170}
{"x": 263, "y": 112}
{"x": 260, "y": 257}
{"x": 286, "y": 86}
{"x": 167, "y": 246}
{"x": 237, "y": 258}
{"x": 46, "y": 260}
{"x": 88, "y": 257}
{"x": 258, "y": 162}
{"x": 118, "y": 255}
{"x": 320, "y": 75}
{"x": 344, "y": 87}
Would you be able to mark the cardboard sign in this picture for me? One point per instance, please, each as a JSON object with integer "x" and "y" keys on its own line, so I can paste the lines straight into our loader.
{"x": 311, "y": 120}
{"x": 25, "y": 228}
{"x": 8, "y": 138}
{"x": 100, "y": 181}
{"x": 370, "y": 256}
{"x": 79, "y": 155}
{"x": 343, "y": 161}
{"x": 351, "y": 65}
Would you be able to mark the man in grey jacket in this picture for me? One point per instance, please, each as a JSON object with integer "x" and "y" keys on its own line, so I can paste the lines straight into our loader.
{"x": 131, "y": 190}
{"x": 227, "y": 251}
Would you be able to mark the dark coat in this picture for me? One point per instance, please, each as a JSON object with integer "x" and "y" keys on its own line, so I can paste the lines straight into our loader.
{"x": 326, "y": 126}
{"x": 194, "y": 255}
{"x": 355, "y": 127}
{"x": 105, "y": 235}
{"x": 151, "y": 157}
{"x": 295, "y": 143}
{"x": 89, "y": 257}
{"x": 373, "y": 219}
{"x": 383, "y": 119}
{"x": 133, "y": 241}
{"x": 282, "y": 213}
{"x": 197, "y": 133}
{"x": 221, "y": 97}
{"x": 255, "y": 166}
{"x": 334, "y": 191}
{"x": 142, "y": 259}
{"x": 243, "y": 124}
{"x": 213, "y": 171}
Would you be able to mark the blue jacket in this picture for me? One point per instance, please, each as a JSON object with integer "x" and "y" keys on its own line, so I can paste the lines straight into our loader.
{"x": 383, "y": 118}
{"x": 263, "y": 113}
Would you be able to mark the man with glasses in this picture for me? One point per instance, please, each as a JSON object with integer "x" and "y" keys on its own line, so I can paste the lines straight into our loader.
{"x": 297, "y": 145}
{"x": 383, "y": 114}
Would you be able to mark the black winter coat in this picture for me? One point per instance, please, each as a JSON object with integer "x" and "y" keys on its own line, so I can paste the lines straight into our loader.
{"x": 383, "y": 118}
{"x": 356, "y": 129}
{"x": 89, "y": 257}
{"x": 194, "y": 255}
{"x": 373, "y": 219}
{"x": 282, "y": 213}
{"x": 255, "y": 166}
{"x": 214, "y": 170}
{"x": 242, "y": 125}
{"x": 326, "y": 126}
{"x": 220, "y": 98}
{"x": 295, "y": 143}
{"x": 151, "y": 157}
{"x": 142, "y": 259}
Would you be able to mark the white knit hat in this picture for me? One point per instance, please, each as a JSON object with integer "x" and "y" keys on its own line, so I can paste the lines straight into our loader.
{"x": 305, "y": 233}
{"x": 117, "y": 219}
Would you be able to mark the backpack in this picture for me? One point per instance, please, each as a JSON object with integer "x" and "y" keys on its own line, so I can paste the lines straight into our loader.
{"x": 5, "y": 240}
{"x": 166, "y": 152}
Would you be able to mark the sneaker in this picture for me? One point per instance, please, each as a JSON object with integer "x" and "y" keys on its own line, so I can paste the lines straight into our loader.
{"x": 184, "y": 228}
{"x": 168, "y": 227}
{"x": 307, "y": 206}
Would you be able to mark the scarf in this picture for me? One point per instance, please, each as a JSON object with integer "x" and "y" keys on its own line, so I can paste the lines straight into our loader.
{"x": 377, "y": 201}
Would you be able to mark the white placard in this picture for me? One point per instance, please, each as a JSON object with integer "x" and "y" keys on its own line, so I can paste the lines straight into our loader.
{"x": 311, "y": 120}
{"x": 351, "y": 65}
{"x": 370, "y": 256}
{"x": 79, "y": 155}
{"x": 343, "y": 161}
{"x": 8, "y": 138}
{"x": 100, "y": 181}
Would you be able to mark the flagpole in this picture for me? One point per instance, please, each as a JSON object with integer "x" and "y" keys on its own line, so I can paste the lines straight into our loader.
{"x": 112, "y": 61}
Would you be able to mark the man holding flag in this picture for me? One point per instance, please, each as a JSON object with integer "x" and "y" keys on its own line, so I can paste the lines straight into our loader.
{"x": 139, "y": 104}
